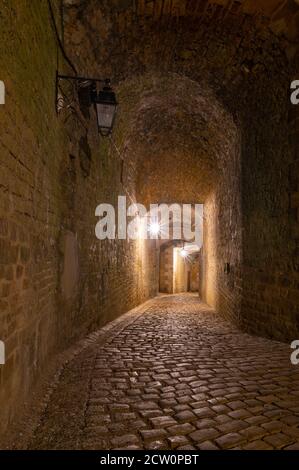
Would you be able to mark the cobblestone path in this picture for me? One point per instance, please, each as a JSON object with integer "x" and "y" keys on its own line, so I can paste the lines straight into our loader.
{"x": 172, "y": 375}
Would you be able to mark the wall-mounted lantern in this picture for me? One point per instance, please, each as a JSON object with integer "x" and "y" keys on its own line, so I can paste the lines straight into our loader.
{"x": 106, "y": 105}
{"x": 104, "y": 100}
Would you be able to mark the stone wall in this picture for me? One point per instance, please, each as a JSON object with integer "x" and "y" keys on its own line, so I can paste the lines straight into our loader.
{"x": 57, "y": 281}
{"x": 166, "y": 269}
{"x": 248, "y": 60}
{"x": 179, "y": 273}
{"x": 176, "y": 273}
{"x": 221, "y": 286}
{"x": 194, "y": 268}
{"x": 270, "y": 216}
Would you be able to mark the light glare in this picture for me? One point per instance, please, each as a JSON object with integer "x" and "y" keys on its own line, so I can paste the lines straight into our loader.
{"x": 184, "y": 253}
{"x": 155, "y": 228}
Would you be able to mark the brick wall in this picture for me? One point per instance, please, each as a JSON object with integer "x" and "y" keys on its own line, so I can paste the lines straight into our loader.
{"x": 194, "y": 268}
{"x": 270, "y": 187}
{"x": 166, "y": 269}
{"x": 57, "y": 281}
{"x": 221, "y": 286}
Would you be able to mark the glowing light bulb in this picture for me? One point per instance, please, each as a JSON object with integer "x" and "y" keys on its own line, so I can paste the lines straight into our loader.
{"x": 155, "y": 228}
{"x": 184, "y": 253}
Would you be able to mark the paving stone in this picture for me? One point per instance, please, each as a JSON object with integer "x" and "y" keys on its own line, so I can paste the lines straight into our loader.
{"x": 229, "y": 440}
{"x": 162, "y": 421}
{"x": 236, "y": 405}
{"x": 240, "y": 414}
{"x": 291, "y": 431}
{"x": 292, "y": 447}
{"x": 151, "y": 413}
{"x": 205, "y": 423}
{"x": 256, "y": 420}
{"x": 150, "y": 405}
{"x": 291, "y": 420}
{"x": 222, "y": 419}
{"x": 185, "y": 416}
{"x": 279, "y": 440}
{"x": 119, "y": 407}
{"x": 207, "y": 445}
{"x": 124, "y": 416}
{"x": 168, "y": 403}
{"x": 136, "y": 425}
{"x": 130, "y": 447}
{"x": 221, "y": 409}
{"x": 233, "y": 426}
{"x": 273, "y": 426}
{"x": 181, "y": 429}
{"x": 156, "y": 445}
{"x": 179, "y": 408}
{"x": 185, "y": 399}
{"x": 204, "y": 412}
{"x": 257, "y": 445}
{"x": 253, "y": 433}
{"x": 153, "y": 434}
{"x": 178, "y": 441}
{"x": 187, "y": 447}
{"x": 126, "y": 439}
{"x": 204, "y": 434}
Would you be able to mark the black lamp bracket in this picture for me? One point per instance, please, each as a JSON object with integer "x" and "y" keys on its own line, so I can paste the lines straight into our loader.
{"x": 65, "y": 102}
{"x": 83, "y": 79}
{"x": 88, "y": 95}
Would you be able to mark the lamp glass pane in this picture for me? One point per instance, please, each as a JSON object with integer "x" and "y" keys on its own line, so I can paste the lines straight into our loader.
{"x": 105, "y": 114}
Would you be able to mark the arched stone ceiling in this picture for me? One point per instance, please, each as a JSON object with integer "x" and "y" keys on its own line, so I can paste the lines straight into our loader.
{"x": 280, "y": 15}
{"x": 131, "y": 30}
{"x": 227, "y": 44}
{"x": 177, "y": 136}
{"x": 244, "y": 53}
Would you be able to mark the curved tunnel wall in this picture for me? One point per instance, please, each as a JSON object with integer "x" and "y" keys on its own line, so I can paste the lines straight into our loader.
{"x": 248, "y": 62}
{"x": 57, "y": 281}
{"x": 185, "y": 148}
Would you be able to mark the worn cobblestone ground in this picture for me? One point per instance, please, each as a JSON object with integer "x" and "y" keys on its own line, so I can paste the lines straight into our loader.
{"x": 173, "y": 375}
